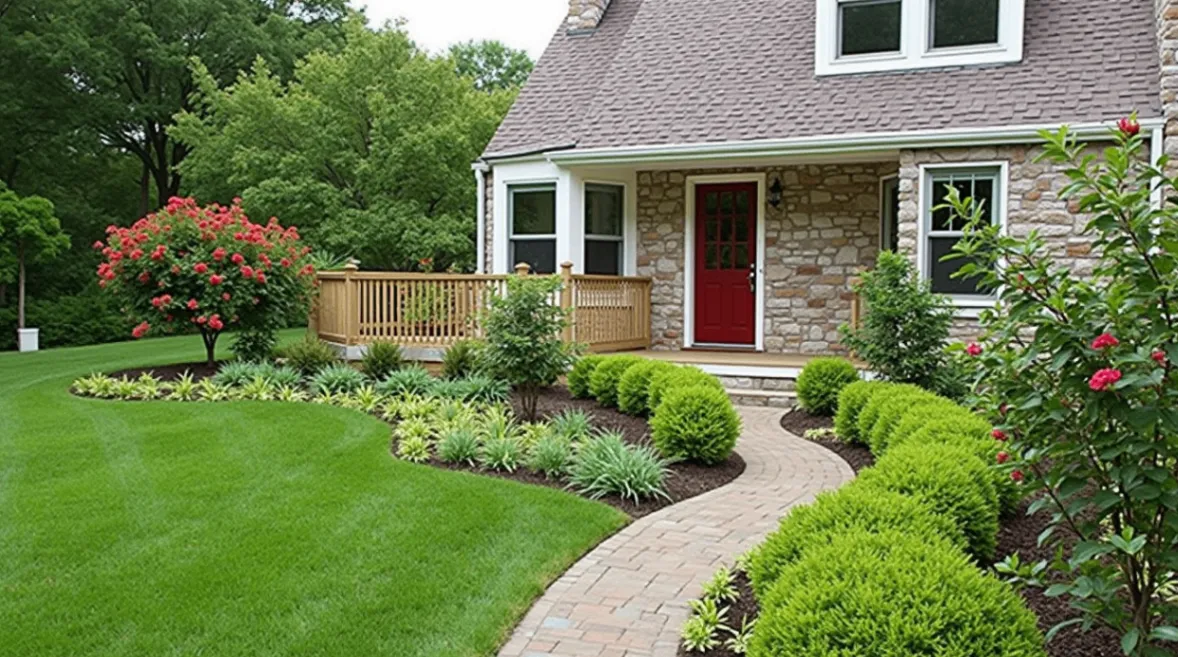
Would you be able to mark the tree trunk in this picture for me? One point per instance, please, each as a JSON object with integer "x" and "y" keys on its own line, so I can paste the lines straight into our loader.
{"x": 144, "y": 192}
{"x": 210, "y": 340}
{"x": 20, "y": 292}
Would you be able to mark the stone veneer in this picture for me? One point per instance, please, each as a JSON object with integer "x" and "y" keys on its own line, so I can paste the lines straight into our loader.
{"x": 1167, "y": 12}
{"x": 488, "y": 219}
{"x": 585, "y": 15}
{"x": 825, "y": 232}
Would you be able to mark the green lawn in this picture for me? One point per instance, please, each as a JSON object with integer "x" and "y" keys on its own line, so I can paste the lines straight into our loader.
{"x": 251, "y": 528}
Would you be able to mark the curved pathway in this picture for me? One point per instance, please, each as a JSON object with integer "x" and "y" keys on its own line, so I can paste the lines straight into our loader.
{"x": 629, "y": 596}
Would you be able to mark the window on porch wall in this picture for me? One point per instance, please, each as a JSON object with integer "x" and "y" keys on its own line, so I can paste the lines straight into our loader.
{"x": 532, "y": 221}
{"x": 943, "y": 228}
{"x": 604, "y": 212}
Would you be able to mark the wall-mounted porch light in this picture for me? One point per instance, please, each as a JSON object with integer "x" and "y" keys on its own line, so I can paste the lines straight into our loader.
{"x": 775, "y": 193}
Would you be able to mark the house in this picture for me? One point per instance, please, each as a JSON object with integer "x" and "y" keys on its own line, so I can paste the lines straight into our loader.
{"x": 753, "y": 156}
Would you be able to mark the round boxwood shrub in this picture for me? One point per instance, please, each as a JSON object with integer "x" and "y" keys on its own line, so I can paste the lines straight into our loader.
{"x": 836, "y": 513}
{"x": 679, "y": 377}
{"x": 696, "y": 423}
{"x": 951, "y": 481}
{"x": 885, "y": 395}
{"x": 851, "y": 402}
{"x": 635, "y": 384}
{"x": 971, "y": 432}
{"x": 579, "y": 376}
{"x": 870, "y": 595}
{"x": 821, "y": 381}
{"x": 603, "y": 385}
{"x": 893, "y": 408}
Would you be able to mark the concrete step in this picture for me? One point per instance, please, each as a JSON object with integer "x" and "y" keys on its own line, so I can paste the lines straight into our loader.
{"x": 771, "y": 398}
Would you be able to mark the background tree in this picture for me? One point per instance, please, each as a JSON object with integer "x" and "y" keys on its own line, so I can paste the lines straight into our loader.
{"x": 492, "y": 65}
{"x": 367, "y": 150}
{"x": 29, "y": 231}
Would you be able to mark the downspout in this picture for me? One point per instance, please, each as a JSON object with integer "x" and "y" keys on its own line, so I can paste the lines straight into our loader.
{"x": 480, "y": 178}
{"x": 1157, "y": 144}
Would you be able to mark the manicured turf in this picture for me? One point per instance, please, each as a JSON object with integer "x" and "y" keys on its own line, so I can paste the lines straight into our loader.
{"x": 251, "y": 528}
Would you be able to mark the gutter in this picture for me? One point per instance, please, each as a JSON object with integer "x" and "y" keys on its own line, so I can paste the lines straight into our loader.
{"x": 480, "y": 177}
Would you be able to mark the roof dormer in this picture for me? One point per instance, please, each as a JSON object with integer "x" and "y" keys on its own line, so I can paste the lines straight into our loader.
{"x": 866, "y": 36}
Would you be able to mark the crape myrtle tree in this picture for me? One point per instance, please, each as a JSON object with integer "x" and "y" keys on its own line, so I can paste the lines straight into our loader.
{"x": 210, "y": 267}
{"x": 1080, "y": 375}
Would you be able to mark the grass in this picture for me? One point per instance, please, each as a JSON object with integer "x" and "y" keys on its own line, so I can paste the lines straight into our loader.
{"x": 251, "y": 528}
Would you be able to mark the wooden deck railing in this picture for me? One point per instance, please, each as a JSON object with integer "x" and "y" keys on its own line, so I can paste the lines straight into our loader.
{"x": 608, "y": 313}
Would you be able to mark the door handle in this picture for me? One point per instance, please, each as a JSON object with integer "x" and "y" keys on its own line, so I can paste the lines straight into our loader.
{"x": 753, "y": 279}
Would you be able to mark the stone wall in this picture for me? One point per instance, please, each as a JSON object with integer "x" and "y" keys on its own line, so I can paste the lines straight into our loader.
{"x": 1167, "y": 12}
{"x": 825, "y": 232}
{"x": 488, "y": 219}
{"x": 585, "y": 15}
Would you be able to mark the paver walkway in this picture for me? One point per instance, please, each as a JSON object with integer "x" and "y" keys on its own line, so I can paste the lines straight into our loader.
{"x": 629, "y": 596}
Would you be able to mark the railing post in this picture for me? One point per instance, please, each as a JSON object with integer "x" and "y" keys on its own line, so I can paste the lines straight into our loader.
{"x": 856, "y": 304}
{"x": 351, "y": 305}
{"x": 566, "y": 298}
{"x": 522, "y": 269}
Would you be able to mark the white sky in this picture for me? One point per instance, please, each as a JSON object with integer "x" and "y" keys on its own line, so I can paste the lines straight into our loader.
{"x": 435, "y": 24}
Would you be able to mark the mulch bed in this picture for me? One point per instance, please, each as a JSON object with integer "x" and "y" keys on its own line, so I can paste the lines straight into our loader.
{"x": 798, "y": 422}
{"x": 169, "y": 373}
{"x": 745, "y": 607}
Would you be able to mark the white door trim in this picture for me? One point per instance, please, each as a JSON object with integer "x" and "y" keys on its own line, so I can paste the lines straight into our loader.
{"x": 689, "y": 251}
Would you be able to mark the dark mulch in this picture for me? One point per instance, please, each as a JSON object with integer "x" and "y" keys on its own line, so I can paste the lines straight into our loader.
{"x": 798, "y": 422}
{"x": 745, "y": 607}
{"x": 199, "y": 371}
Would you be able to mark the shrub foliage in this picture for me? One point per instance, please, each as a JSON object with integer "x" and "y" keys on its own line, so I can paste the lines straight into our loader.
{"x": 821, "y": 381}
{"x": 696, "y": 424}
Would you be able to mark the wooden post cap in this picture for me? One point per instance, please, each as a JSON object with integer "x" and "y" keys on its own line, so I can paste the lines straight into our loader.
{"x": 522, "y": 268}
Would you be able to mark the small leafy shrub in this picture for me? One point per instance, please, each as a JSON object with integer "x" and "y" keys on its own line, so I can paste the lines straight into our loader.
{"x": 603, "y": 385}
{"x": 415, "y": 428}
{"x": 235, "y": 373}
{"x": 701, "y": 632}
{"x": 286, "y": 393}
{"x": 882, "y": 396}
{"x": 257, "y": 389}
{"x": 581, "y": 374}
{"x": 339, "y": 378}
{"x": 409, "y": 381}
{"x": 366, "y": 400}
{"x": 208, "y": 390}
{"x": 255, "y": 344}
{"x": 90, "y": 385}
{"x": 892, "y": 593}
{"x": 284, "y": 376}
{"x": 573, "y": 425}
{"x": 634, "y": 386}
{"x": 696, "y": 424}
{"x": 414, "y": 449}
{"x": 722, "y": 586}
{"x": 382, "y": 359}
{"x": 183, "y": 388}
{"x": 476, "y": 388}
{"x": 836, "y": 513}
{"x": 742, "y": 637}
{"x": 459, "y": 445}
{"x": 505, "y": 454}
{"x": 309, "y": 355}
{"x": 551, "y": 456}
{"x": 606, "y": 465}
{"x": 892, "y": 410}
{"x": 680, "y": 377}
{"x": 851, "y": 402}
{"x": 951, "y": 481}
{"x": 462, "y": 359}
{"x": 820, "y": 383}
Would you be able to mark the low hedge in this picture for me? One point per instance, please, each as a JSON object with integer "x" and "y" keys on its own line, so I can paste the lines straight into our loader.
{"x": 892, "y": 594}
{"x": 696, "y": 423}
{"x": 820, "y": 383}
{"x": 582, "y": 372}
{"x": 951, "y": 480}
{"x": 882, "y": 396}
{"x": 634, "y": 387}
{"x": 894, "y": 408}
{"x": 832, "y": 515}
{"x": 851, "y": 402}
{"x": 679, "y": 377}
{"x": 603, "y": 385}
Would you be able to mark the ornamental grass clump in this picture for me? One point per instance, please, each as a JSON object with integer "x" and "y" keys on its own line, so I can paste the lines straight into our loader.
{"x": 235, "y": 373}
{"x": 308, "y": 355}
{"x": 461, "y": 360}
{"x": 606, "y": 465}
{"x": 634, "y": 386}
{"x": 409, "y": 381}
{"x": 459, "y": 445}
{"x": 551, "y": 456}
{"x": 571, "y": 424}
{"x": 870, "y": 594}
{"x": 696, "y": 424}
{"x": 502, "y": 453}
{"x": 580, "y": 375}
{"x": 603, "y": 385}
{"x": 339, "y": 378}
{"x": 381, "y": 359}
{"x": 820, "y": 383}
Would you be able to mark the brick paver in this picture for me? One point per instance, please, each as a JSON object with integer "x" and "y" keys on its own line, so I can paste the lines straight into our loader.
{"x": 629, "y": 596}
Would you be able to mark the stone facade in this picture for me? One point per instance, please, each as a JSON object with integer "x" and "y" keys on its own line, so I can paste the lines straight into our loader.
{"x": 1167, "y": 12}
{"x": 585, "y": 15}
{"x": 488, "y": 219}
{"x": 824, "y": 233}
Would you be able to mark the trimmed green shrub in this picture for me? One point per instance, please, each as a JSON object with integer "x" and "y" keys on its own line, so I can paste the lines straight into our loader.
{"x": 337, "y": 378}
{"x": 551, "y": 456}
{"x": 462, "y": 359}
{"x": 821, "y": 381}
{"x": 973, "y": 433}
{"x": 893, "y": 408}
{"x": 884, "y": 395}
{"x": 851, "y": 402}
{"x": 580, "y": 375}
{"x": 603, "y": 385}
{"x": 951, "y": 481}
{"x": 893, "y": 594}
{"x": 409, "y": 381}
{"x": 680, "y": 377}
{"x": 834, "y": 514}
{"x": 309, "y": 355}
{"x": 696, "y": 424}
{"x": 606, "y": 465}
{"x": 634, "y": 386}
{"x": 382, "y": 359}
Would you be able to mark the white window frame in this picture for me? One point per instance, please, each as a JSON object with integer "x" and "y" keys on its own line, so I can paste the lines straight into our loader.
{"x": 885, "y": 183}
{"x": 620, "y": 239}
{"x": 512, "y": 190}
{"x": 916, "y": 51}
{"x": 928, "y": 200}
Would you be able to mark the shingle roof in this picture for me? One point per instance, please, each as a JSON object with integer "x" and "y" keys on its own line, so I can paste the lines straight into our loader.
{"x": 660, "y": 72}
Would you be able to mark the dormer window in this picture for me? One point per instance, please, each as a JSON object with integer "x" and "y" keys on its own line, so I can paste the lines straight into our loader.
{"x": 865, "y": 36}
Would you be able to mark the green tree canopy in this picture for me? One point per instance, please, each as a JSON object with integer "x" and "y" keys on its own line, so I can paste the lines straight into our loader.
{"x": 367, "y": 150}
{"x": 29, "y": 232}
{"x": 492, "y": 65}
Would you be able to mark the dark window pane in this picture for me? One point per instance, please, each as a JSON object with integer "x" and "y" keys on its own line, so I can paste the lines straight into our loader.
{"x": 742, "y": 256}
{"x": 725, "y": 256}
{"x": 983, "y": 194}
{"x": 603, "y": 209}
{"x": 726, "y": 202}
{"x": 892, "y": 230}
{"x": 540, "y": 254}
{"x": 533, "y": 212}
{"x": 942, "y": 272}
{"x": 726, "y": 230}
{"x": 712, "y": 202}
{"x": 742, "y": 203}
{"x": 603, "y": 258}
{"x": 712, "y": 231}
{"x": 964, "y": 22}
{"x": 942, "y": 217}
{"x": 867, "y": 27}
{"x": 711, "y": 257}
{"x": 742, "y": 229}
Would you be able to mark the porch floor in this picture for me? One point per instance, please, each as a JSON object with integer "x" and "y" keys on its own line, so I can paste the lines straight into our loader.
{"x": 734, "y": 358}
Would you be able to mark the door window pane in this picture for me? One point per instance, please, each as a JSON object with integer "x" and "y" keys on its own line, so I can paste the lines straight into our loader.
{"x": 957, "y": 23}
{"x": 870, "y": 26}
{"x": 540, "y": 254}
{"x": 603, "y": 258}
{"x": 604, "y": 209}
{"x": 533, "y": 211}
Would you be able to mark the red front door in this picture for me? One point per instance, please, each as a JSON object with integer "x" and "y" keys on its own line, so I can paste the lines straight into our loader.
{"x": 725, "y": 256}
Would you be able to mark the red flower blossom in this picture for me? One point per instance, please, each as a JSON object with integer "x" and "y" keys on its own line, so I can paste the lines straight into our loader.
{"x": 157, "y": 302}
{"x": 202, "y": 320}
{"x": 175, "y": 269}
{"x": 1104, "y": 379}
{"x": 247, "y": 271}
{"x": 141, "y": 330}
{"x": 974, "y": 349}
{"x": 136, "y": 254}
{"x": 1129, "y": 127}
{"x": 237, "y": 258}
{"x": 1017, "y": 476}
{"x": 215, "y": 323}
{"x": 1159, "y": 357}
{"x": 999, "y": 435}
{"x": 218, "y": 254}
{"x": 98, "y": 245}
{"x": 286, "y": 262}
{"x": 1003, "y": 457}
{"x": 1105, "y": 341}
{"x": 200, "y": 268}
{"x": 216, "y": 279}
{"x": 225, "y": 297}
{"x": 193, "y": 304}
{"x": 261, "y": 278}
{"x": 144, "y": 277}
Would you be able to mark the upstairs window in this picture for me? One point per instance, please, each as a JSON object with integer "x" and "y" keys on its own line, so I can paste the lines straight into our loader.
{"x": 864, "y": 36}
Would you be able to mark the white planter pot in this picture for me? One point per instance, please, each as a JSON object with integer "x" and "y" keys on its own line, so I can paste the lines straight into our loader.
{"x": 28, "y": 339}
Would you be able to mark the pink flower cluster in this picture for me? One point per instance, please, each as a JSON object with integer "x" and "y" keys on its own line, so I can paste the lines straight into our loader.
{"x": 1104, "y": 379}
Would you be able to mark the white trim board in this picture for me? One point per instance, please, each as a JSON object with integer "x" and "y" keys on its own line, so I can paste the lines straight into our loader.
{"x": 689, "y": 251}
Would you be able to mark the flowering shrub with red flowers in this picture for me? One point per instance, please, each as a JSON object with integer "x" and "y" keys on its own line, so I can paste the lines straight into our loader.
{"x": 208, "y": 267}
{"x": 1078, "y": 375}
